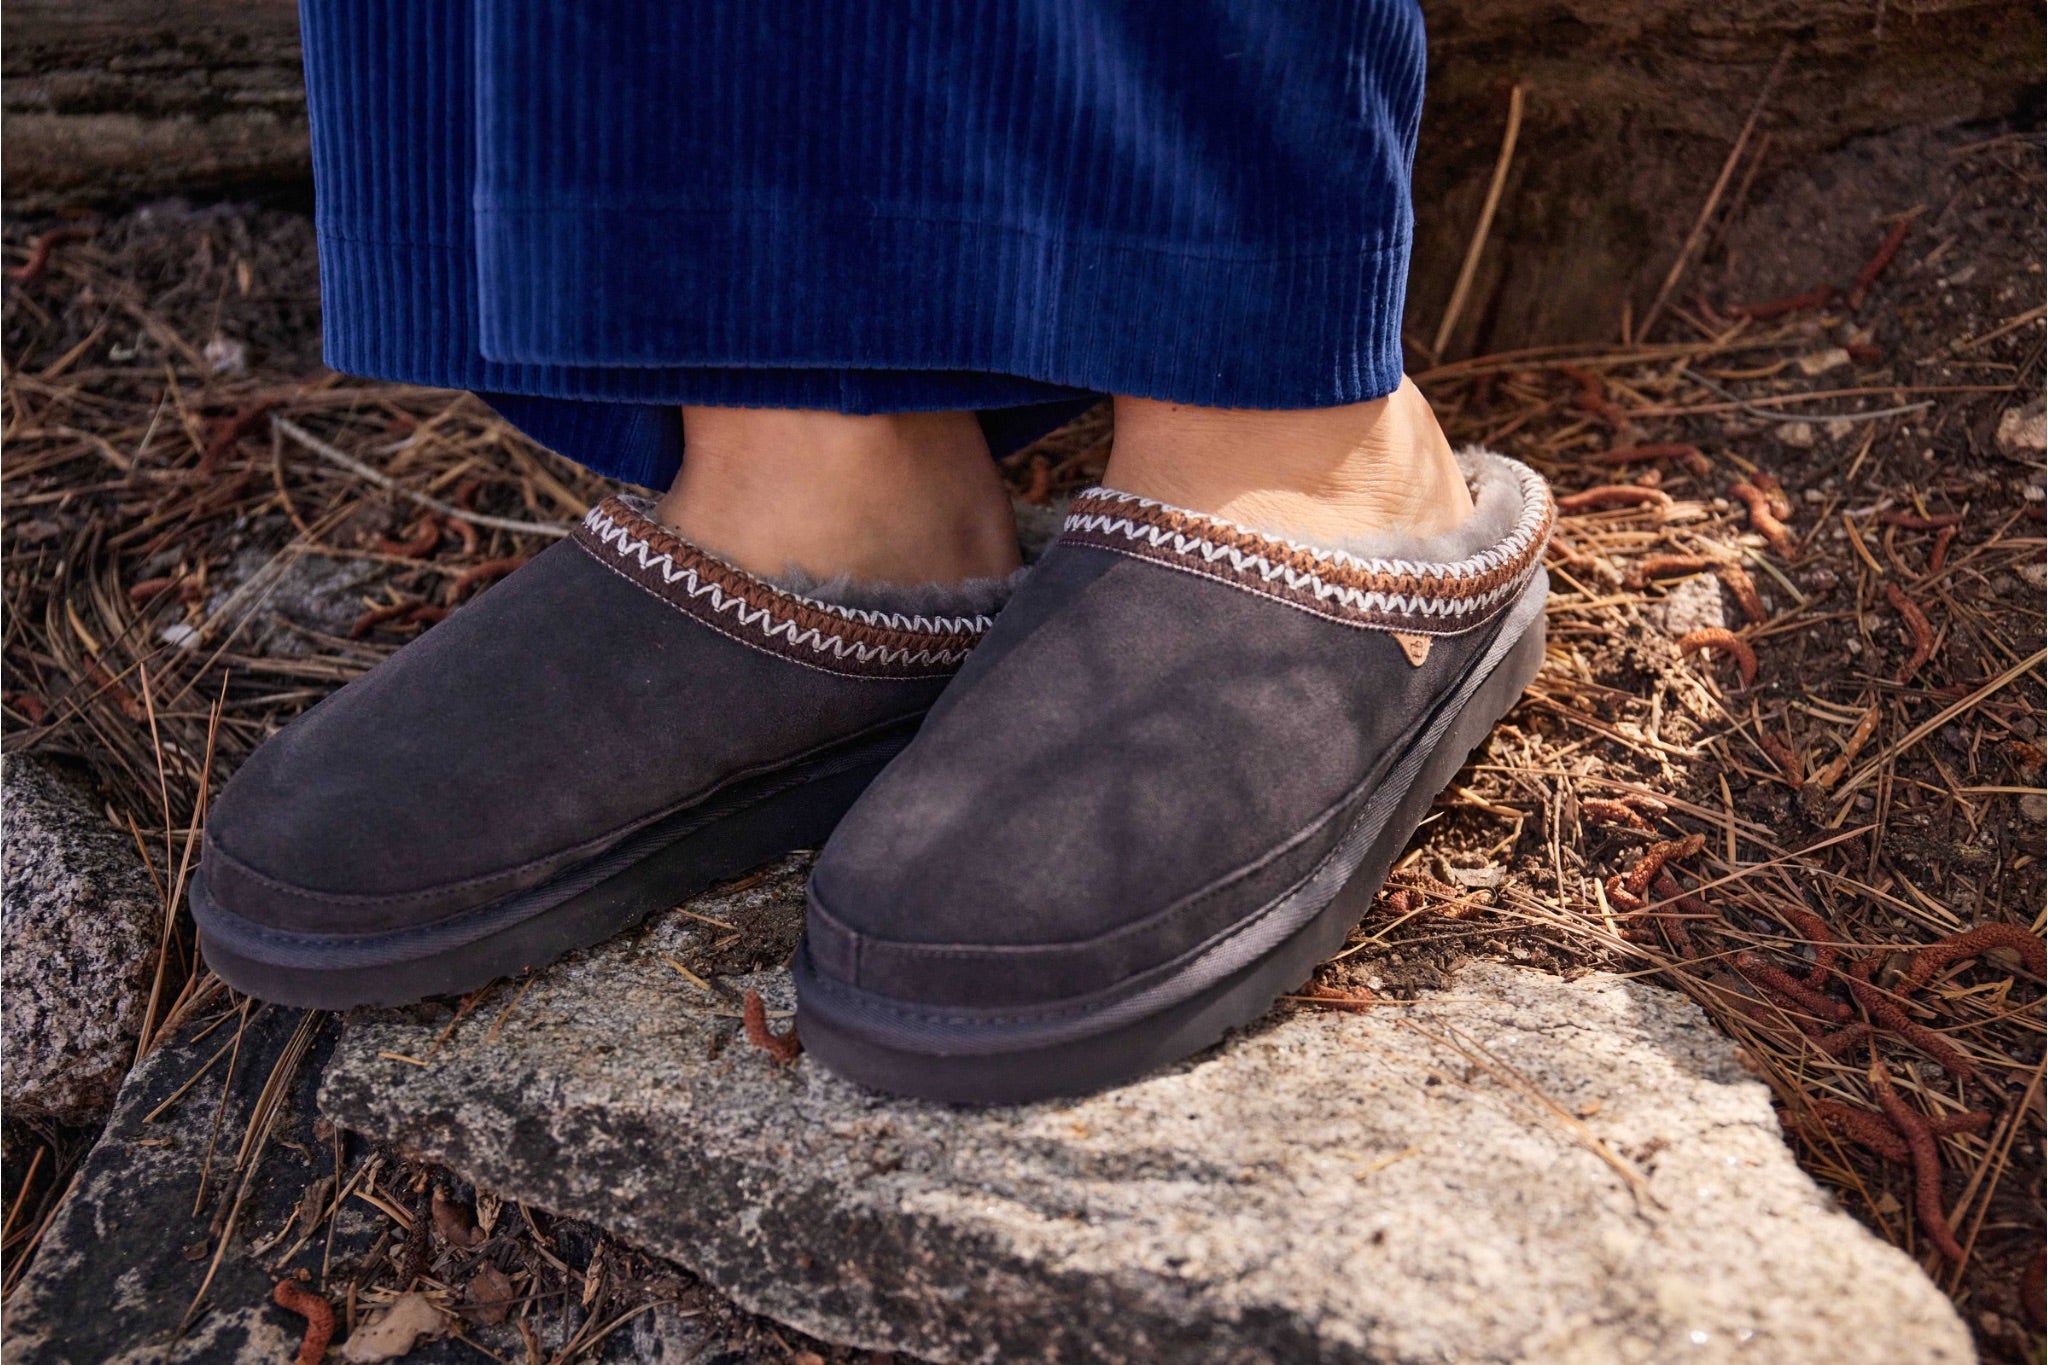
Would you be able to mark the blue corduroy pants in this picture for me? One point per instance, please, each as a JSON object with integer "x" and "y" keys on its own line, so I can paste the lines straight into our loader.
{"x": 593, "y": 212}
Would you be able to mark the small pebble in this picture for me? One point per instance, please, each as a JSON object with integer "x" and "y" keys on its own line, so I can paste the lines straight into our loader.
{"x": 2023, "y": 431}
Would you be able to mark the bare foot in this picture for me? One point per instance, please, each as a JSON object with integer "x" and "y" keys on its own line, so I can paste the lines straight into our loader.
{"x": 1319, "y": 474}
{"x": 905, "y": 498}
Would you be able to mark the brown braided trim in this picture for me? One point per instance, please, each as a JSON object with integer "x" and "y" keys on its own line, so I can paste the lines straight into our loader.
{"x": 824, "y": 635}
{"x": 1428, "y": 599}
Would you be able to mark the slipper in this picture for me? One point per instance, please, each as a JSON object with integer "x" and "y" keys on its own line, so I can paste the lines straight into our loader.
{"x": 1162, "y": 791}
{"x": 622, "y": 722}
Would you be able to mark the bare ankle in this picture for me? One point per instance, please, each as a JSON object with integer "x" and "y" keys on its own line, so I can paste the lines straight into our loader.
{"x": 1320, "y": 474}
{"x": 901, "y": 498}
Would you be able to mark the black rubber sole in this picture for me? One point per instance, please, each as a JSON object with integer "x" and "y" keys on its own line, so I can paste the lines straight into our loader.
{"x": 965, "y": 1062}
{"x": 749, "y": 824}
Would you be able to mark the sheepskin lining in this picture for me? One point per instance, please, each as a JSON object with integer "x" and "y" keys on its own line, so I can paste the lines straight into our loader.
{"x": 969, "y": 597}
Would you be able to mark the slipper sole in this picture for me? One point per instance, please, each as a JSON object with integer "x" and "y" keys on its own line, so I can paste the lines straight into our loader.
{"x": 656, "y": 867}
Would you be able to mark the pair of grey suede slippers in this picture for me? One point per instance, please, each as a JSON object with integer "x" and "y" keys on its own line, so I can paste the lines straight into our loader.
{"x": 1064, "y": 844}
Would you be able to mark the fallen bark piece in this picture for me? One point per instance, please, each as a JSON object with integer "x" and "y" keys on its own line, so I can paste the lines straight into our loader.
{"x": 392, "y": 1334}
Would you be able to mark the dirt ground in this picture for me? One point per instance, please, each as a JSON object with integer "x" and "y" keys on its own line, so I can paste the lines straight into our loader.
{"x": 1796, "y": 637}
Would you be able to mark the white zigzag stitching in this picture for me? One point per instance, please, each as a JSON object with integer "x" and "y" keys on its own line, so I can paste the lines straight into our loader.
{"x": 620, "y": 540}
{"x": 1496, "y": 556}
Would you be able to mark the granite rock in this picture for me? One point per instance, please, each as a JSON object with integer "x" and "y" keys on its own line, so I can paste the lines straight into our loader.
{"x": 79, "y": 920}
{"x": 1692, "y": 604}
{"x": 1514, "y": 1168}
{"x": 131, "y": 1249}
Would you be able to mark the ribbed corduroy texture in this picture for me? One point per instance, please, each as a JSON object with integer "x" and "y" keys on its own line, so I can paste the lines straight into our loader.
{"x": 862, "y": 205}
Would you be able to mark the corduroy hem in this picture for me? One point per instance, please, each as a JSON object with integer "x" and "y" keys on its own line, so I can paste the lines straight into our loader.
{"x": 604, "y": 286}
{"x": 872, "y": 315}
{"x": 408, "y": 313}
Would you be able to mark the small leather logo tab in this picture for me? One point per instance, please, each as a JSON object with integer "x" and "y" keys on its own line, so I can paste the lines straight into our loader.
{"x": 1416, "y": 647}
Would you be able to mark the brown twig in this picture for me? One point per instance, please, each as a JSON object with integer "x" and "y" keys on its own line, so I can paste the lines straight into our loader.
{"x": 1916, "y": 624}
{"x": 1937, "y": 558}
{"x": 1726, "y": 641}
{"x": 149, "y": 589}
{"x": 1972, "y": 943}
{"x": 1477, "y": 244}
{"x": 1592, "y": 396}
{"x": 1783, "y": 757}
{"x": 1357, "y": 1000}
{"x": 490, "y": 571}
{"x": 1818, "y": 297}
{"x": 1865, "y": 728}
{"x": 1826, "y": 951}
{"x": 1669, "y": 891}
{"x": 1691, "y": 456}
{"x": 1614, "y": 495}
{"x": 1891, "y": 1018}
{"x": 1875, "y": 266}
{"x": 1926, "y": 1156}
{"x": 1860, "y": 1126}
{"x": 293, "y": 1297}
{"x": 29, "y": 271}
{"x": 425, "y": 537}
{"x": 1775, "y": 497}
{"x": 1913, "y": 521}
{"x": 227, "y": 434}
{"x": 1667, "y": 566}
{"x": 103, "y": 681}
{"x": 1764, "y": 518}
{"x": 1743, "y": 589}
{"x": 1788, "y": 989}
{"x": 1655, "y": 856}
{"x": 398, "y": 613}
{"x": 1842, "y": 1041}
{"x": 783, "y": 1047}
{"x": 1706, "y": 214}
{"x": 1609, "y": 812}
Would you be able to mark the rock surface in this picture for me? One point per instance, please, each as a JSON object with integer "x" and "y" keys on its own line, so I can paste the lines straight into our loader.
{"x": 1387, "y": 1187}
{"x": 79, "y": 919}
{"x": 126, "y": 1254}
{"x": 117, "y": 1267}
{"x": 1692, "y": 604}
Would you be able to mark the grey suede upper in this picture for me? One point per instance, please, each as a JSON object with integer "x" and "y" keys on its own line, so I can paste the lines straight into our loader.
{"x": 565, "y": 707}
{"x": 1132, "y": 759}
{"x": 1173, "y": 722}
